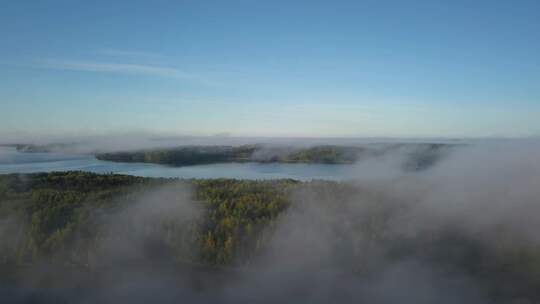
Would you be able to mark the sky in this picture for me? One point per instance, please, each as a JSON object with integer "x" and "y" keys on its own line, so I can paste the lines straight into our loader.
{"x": 271, "y": 68}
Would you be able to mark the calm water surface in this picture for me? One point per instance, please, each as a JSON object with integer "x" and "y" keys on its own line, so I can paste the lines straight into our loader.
{"x": 12, "y": 161}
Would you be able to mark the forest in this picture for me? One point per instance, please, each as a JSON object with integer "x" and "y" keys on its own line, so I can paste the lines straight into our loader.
{"x": 93, "y": 223}
{"x": 419, "y": 155}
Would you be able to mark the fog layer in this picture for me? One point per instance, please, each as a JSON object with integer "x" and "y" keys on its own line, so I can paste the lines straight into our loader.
{"x": 443, "y": 235}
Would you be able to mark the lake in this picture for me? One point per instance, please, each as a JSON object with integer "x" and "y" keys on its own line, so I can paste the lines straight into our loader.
{"x": 12, "y": 161}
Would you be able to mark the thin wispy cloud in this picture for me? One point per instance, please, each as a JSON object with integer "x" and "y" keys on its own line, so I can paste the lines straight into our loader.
{"x": 129, "y": 54}
{"x": 114, "y": 67}
{"x": 131, "y": 68}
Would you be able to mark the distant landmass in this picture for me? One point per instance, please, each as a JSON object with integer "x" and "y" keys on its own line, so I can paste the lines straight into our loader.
{"x": 417, "y": 156}
{"x": 46, "y": 148}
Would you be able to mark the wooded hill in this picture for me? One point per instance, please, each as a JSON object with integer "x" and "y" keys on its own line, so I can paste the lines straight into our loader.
{"x": 97, "y": 222}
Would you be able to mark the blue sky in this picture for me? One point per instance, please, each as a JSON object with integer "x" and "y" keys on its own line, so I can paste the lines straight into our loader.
{"x": 271, "y": 68}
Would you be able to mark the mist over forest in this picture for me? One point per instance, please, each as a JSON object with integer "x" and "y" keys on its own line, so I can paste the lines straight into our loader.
{"x": 461, "y": 231}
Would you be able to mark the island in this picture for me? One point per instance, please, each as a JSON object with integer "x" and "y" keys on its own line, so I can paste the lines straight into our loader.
{"x": 418, "y": 156}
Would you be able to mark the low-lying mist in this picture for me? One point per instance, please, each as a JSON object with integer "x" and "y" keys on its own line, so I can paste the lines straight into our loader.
{"x": 425, "y": 237}
{"x": 465, "y": 230}
{"x": 129, "y": 141}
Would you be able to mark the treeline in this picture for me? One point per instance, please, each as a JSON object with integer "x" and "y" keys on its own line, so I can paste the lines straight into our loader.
{"x": 183, "y": 156}
{"x": 193, "y": 155}
{"x": 419, "y": 156}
